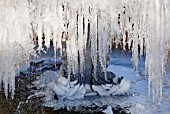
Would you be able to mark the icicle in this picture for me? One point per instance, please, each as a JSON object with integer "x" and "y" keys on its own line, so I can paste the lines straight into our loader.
{"x": 144, "y": 21}
{"x": 72, "y": 51}
{"x": 39, "y": 31}
{"x": 60, "y": 24}
{"x": 103, "y": 36}
{"x": 14, "y": 39}
{"x": 1, "y": 54}
{"x": 93, "y": 36}
{"x": 81, "y": 39}
{"x": 47, "y": 22}
{"x": 109, "y": 37}
{"x": 56, "y": 26}
{"x": 85, "y": 30}
{"x": 123, "y": 22}
{"x": 135, "y": 51}
{"x": 156, "y": 43}
{"x": 47, "y": 33}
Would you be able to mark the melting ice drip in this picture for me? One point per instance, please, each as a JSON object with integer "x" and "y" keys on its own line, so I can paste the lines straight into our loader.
{"x": 145, "y": 21}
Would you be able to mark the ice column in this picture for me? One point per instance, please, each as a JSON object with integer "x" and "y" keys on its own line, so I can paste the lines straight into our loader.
{"x": 157, "y": 45}
{"x": 93, "y": 37}
{"x": 14, "y": 39}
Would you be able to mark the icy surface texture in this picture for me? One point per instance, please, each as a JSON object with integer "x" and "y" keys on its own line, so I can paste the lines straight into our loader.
{"x": 52, "y": 83}
{"x": 145, "y": 22}
{"x": 136, "y": 101}
{"x": 15, "y": 40}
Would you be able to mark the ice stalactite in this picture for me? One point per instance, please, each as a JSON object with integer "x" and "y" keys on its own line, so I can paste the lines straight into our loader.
{"x": 142, "y": 24}
{"x": 156, "y": 46}
{"x": 93, "y": 36}
{"x": 15, "y": 40}
{"x": 81, "y": 38}
{"x": 40, "y": 24}
{"x": 104, "y": 37}
{"x": 1, "y": 51}
{"x": 148, "y": 20}
{"x": 135, "y": 32}
{"x": 72, "y": 48}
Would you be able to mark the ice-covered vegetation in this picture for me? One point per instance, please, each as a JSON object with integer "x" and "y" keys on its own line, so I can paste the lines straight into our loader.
{"x": 142, "y": 25}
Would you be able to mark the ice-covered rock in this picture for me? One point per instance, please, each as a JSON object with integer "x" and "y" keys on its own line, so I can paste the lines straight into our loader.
{"x": 138, "y": 108}
{"x": 108, "y": 89}
{"x": 114, "y": 85}
{"x": 108, "y": 110}
{"x": 65, "y": 89}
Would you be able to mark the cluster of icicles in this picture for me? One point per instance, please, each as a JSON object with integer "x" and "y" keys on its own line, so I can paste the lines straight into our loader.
{"x": 145, "y": 22}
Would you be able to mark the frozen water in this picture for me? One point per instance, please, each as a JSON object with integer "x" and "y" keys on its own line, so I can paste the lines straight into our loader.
{"x": 108, "y": 110}
{"x": 135, "y": 101}
{"x": 145, "y": 22}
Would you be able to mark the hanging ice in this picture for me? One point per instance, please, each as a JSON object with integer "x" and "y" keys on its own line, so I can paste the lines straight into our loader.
{"x": 142, "y": 24}
{"x": 15, "y": 40}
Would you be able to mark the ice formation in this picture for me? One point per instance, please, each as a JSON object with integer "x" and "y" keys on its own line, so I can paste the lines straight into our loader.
{"x": 15, "y": 40}
{"x": 108, "y": 110}
{"x": 145, "y": 22}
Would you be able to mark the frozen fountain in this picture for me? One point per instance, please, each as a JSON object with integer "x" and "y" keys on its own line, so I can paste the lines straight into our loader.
{"x": 84, "y": 31}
